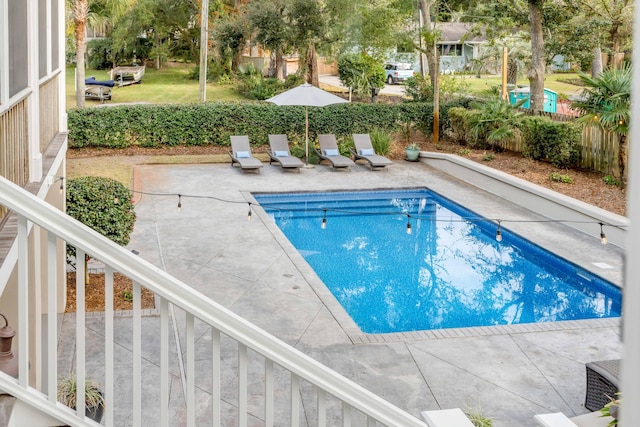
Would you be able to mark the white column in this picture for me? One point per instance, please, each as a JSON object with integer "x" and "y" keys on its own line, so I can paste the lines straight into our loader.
{"x": 35, "y": 157}
{"x": 630, "y": 410}
{"x": 62, "y": 95}
{"x": 4, "y": 54}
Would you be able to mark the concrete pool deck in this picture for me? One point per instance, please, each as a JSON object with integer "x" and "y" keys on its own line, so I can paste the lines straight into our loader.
{"x": 508, "y": 373}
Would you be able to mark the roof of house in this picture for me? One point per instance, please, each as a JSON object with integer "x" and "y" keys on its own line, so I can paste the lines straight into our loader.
{"x": 454, "y": 32}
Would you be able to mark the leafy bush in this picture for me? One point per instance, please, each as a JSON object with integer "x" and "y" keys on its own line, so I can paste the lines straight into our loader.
{"x": 610, "y": 180}
{"x": 380, "y": 140}
{"x": 218, "y": 71}
{"x": 360, "y": 72}
{"x": 293, "y": 80}
{"x": 260, "y": 88}
{"x": 457, "y": 128}
{"x": 557, "y": 142}
{"x": 419, "y": 88}
{"x": 102, "y": 204}
{"x": 212, "y": 123}
{"x": 100, "y": 54}
{"x": 492, "y": 123}
{"x": 557, "y": 177}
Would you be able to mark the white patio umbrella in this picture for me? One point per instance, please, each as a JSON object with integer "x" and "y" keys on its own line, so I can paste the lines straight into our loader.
{"x": 306, "y": 95}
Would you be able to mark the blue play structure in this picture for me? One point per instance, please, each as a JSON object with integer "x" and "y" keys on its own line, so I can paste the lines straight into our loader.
{"x": 550, "y": 98}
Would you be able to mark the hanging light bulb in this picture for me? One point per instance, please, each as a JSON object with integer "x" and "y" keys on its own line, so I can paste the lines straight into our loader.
{"x": 409, "y": 231}
{"x": 249, "y": 213}
{"x": 179, "y": 203}
{"x": 61, "y": 184}
{"x": 324, "y": 220}
{"x": 499, "y": 233}
{"x": 603, "y": 237}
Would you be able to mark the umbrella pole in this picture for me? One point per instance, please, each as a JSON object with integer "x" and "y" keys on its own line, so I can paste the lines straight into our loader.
{"x": 306, "y": 137}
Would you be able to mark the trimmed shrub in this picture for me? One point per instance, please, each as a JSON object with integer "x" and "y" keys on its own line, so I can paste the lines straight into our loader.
{"x": 457, "y": 124}
{"x": 212, "y": 123}
{"x": 556, "y": 142}
{"x": 102, "y": 204}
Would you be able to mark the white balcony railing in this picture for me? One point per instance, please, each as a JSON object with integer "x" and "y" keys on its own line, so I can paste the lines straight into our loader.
{"x": 252, "y": 377}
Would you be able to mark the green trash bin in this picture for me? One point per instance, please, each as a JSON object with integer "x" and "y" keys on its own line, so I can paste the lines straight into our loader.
{"x": 550, "y": 99}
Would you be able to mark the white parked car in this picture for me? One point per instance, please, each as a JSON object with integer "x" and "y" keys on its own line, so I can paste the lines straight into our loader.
{"x": 398, "y": 72}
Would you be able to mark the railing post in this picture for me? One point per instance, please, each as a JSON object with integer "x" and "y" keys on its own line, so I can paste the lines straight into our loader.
{"x": 23, "y": 302}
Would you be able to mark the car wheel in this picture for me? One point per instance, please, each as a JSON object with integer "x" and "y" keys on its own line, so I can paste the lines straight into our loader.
{"x": 390, "y": 80}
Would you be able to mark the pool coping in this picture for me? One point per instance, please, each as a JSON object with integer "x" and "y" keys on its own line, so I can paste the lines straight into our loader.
{"x": 355, "y": 334}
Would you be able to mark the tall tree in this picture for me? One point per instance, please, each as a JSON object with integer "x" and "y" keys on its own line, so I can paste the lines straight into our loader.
{"x": 309, "y": 31}
{"x": 271, "y": 30}
{"x": 616, "y": 18}
{"x": 538, "y": 63}
{"x": 429, "y": 36}
{"x": 80, "y": 12}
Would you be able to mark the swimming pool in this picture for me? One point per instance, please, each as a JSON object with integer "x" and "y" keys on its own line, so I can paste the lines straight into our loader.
{"x": 450, "y": 272}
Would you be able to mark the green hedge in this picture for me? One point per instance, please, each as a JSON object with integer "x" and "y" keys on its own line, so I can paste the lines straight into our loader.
{"x": 557, "y": 142}
{"x": 212, "y": 123}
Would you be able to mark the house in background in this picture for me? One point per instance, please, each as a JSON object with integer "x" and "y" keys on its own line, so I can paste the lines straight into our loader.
{"x": 458, "y": 47}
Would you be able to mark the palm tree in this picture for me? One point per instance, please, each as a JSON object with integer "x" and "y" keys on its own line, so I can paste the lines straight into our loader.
{"x": 493, "y": 119}
{"x": 606, "y": 103}
{"x": 80, "y": 12}
{"x": 112, "y": 10}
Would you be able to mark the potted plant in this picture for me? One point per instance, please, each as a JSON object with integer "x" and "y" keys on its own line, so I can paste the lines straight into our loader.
{"x": 611, "y": 410}
{"x": 94, "y": 399}
{"x": 413, "y": 152}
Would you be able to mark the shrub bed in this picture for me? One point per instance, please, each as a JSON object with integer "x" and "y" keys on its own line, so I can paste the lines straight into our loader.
{"x": 212, "y": 123}
{"x": 556, "y": 142}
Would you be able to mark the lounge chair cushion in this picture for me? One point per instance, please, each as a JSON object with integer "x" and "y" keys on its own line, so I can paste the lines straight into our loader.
{"x": 367, "y": 152}
{"x": 281, "y": 153}
{"x": 243, "y": 154}
{"x": 331, "y": 152}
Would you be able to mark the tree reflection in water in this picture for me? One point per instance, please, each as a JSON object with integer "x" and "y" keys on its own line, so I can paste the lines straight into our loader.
{"x": 450, "y": 272}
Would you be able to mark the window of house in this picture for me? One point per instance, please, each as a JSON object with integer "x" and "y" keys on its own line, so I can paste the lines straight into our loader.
{"x": 18, "y": 46}
{"x": 55, "y": 41}
{"x": 42, "y": 38}
{"x": 451, "y": 49}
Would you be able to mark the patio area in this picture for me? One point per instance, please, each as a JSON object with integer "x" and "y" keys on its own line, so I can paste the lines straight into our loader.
{"x": 507, "y": 373}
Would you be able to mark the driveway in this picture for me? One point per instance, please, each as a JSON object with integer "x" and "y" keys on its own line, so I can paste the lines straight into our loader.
{"x": 334, "y": 81}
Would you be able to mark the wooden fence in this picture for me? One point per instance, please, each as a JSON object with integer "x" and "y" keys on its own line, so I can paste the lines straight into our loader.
{"x": 599, "y": 147}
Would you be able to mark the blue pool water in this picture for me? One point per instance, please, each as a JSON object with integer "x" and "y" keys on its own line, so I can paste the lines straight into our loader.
{"x": 450, "y": 272}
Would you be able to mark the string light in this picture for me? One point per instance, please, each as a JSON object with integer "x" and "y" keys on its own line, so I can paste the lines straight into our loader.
{"x": 603, "y": 237}
{"x": 409, "y": 229}
{"x": 61, "y": 184}
{"x": 499, "y": 232}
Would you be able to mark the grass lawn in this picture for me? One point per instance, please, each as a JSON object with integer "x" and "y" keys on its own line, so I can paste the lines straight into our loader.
{"x": 478, "y": 85}
{"x": 167, "y": 85}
